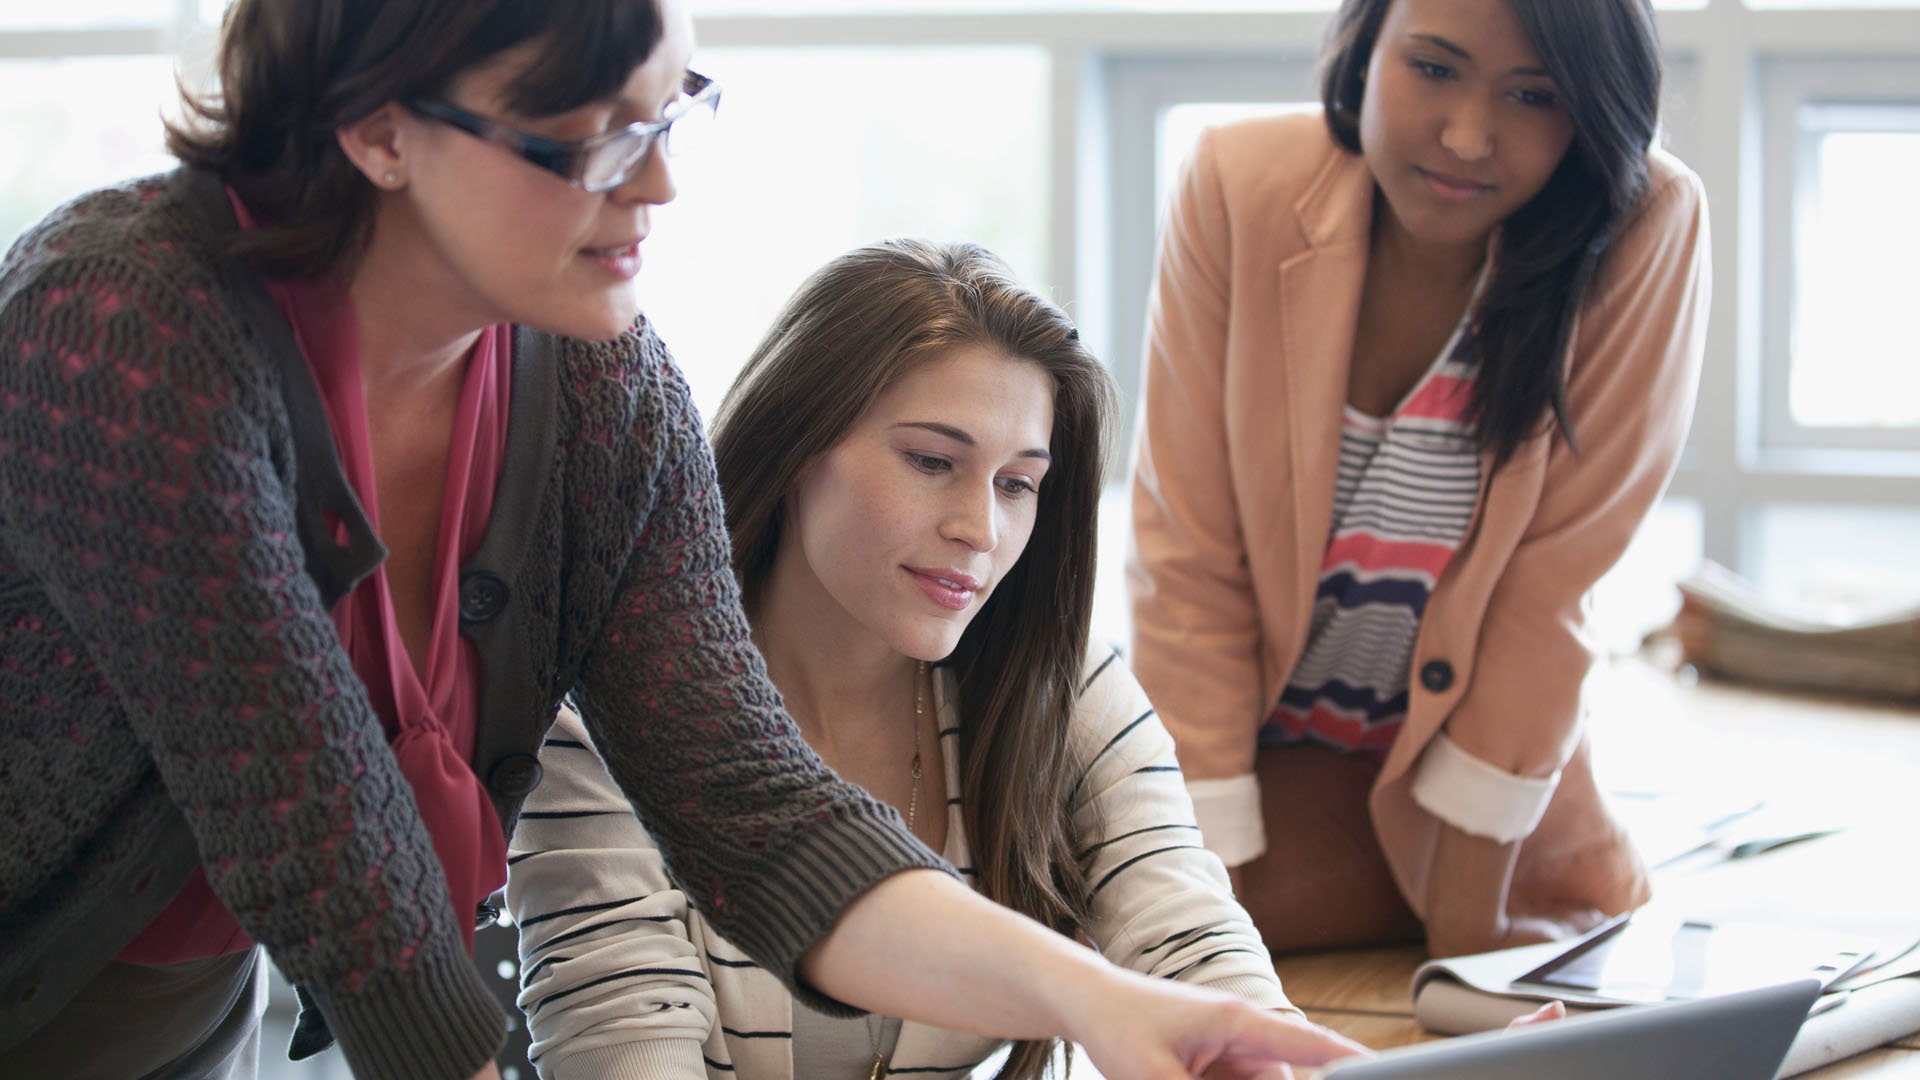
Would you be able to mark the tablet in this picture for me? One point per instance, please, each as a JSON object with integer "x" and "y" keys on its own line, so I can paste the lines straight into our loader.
{"x": 1741, "y": 1036}
{"x": 1643, "y": 959}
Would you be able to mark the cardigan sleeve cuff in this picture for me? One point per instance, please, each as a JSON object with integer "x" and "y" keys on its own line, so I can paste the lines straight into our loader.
{"x": 1477, "y": 797}
{"x": 1228, "y": 813}
{"x": 798, "y": 896}
{"x": 437, "y": 1022}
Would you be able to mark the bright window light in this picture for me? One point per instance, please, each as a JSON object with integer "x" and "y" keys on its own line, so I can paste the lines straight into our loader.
{"x": 1855, "y": 360}
{"x": 821, "y": 150}
{"x": 71, "y": 125}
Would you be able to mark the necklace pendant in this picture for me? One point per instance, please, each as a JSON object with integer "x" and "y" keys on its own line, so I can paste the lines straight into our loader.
{"x": 879, "y": 1067}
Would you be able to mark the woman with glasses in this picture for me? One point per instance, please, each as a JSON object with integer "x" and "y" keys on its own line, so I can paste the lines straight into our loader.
{"x": 913, "y": 462}
{"x": 1418, "y": 364}
{"x": 330, "y": 464}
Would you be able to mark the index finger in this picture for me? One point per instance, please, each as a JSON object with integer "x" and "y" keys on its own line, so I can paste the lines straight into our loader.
{"x": 1288, "y": 1037}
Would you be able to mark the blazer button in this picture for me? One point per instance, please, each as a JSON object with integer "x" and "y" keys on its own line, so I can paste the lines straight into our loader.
{"x": 514, "y": 776}
{"x": 1437, "y": 676}
{"x": 482, "y": 596}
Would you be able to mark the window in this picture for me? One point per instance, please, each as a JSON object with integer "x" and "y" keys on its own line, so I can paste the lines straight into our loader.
{"x": 1156, "y": 107}
{"x": 821, "y": 150}
{"x": 76, "y": 123}
{"x": 87, "y": 14}
{"x": 1024, "y": 7}
{"x": 83, "y": 86}
{"x": 1836, "y": 559}
{"x": 1841, "y": 363}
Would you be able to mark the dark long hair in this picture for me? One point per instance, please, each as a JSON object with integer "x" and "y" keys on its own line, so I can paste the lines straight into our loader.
{"x": 1604, "y": 55}
{"x": 853, "y": 329}
{"x": 291, "y": 72}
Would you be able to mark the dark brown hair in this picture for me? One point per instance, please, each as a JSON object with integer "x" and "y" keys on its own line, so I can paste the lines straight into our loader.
{"x": 1604, "y": 56}
{"x": 291, "y": 72}
{"x": 853, "y": 329}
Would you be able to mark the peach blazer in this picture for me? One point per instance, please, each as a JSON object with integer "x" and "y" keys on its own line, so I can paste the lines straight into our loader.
{"x": 1250, "y": 329}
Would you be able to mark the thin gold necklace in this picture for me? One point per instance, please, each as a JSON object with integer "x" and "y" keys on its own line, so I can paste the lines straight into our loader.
{"x": 913, "y": 805}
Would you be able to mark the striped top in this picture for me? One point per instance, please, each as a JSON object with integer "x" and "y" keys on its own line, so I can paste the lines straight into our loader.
{"x": 1404, "y": 499}
{"x": 621, "y": 976}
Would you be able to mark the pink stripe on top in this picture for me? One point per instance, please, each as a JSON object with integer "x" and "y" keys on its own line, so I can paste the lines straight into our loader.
{"x": 1364, "y": 552}
{"x": 430, "y": 714}
{"x": 1403, "y": 499}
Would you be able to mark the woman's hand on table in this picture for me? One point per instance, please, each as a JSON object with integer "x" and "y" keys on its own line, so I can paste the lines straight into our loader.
{"x": 1545, "y": 1014}
{"x": 1139, "y": 1028}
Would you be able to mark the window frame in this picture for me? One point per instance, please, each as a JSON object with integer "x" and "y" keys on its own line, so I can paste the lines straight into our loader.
{"x": 1787, "y": 85}
{"x": 1104, "y": 65}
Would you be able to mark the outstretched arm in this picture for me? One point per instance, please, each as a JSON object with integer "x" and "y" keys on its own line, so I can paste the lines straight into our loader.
{"x": 925, "y": 946}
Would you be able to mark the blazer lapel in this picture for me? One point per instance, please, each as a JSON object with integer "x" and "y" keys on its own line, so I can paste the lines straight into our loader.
{"x": 1317, "y": 306}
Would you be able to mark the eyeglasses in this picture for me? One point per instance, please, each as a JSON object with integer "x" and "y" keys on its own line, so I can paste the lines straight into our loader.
{"x": 607, "y": 160}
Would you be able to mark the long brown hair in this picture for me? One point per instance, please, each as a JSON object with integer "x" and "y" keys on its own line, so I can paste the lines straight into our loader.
{"x": 291, "y": 72}
{"x": 1604, "y": 56}
{"x": 854, "y": 328}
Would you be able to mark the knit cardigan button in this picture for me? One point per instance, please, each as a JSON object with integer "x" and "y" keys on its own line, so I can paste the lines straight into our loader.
{"x": 482, "y": 597}
{"x": 514, "y": 776}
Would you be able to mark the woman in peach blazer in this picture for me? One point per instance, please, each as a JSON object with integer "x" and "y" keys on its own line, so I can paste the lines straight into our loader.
{"x": 1309, "y": 266}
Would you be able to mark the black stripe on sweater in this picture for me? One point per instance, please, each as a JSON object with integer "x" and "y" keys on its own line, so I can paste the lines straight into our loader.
{"x": 1194, "y": 938}
{"x": 1151, "y": 828}
{"x": 1101, "y": 670}
{"x": 1074, "y": 794}
{"x": 1172, "y": 939}
{"x": 597, "y": 927}
{"x": 527, "y": 976}
{"x": 1211, "y": 956}
{"x": 564, "y": 815}
{"x": 581, "y": 910}
{"x": 712, "y": 1064}
{"x": 616, "y": 976}
{"x": 1111, "y": 874}
{"x": 757, "y": 1034}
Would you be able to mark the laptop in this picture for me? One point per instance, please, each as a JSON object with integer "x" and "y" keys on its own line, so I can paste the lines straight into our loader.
{"x": 1739, "y": 1036}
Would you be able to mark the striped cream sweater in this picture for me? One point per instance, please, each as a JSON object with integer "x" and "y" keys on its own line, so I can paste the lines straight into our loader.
{"x": 622, "y": 979}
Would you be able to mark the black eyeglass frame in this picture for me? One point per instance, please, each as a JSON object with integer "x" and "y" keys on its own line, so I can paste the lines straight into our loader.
{"x": 568, "y": 160}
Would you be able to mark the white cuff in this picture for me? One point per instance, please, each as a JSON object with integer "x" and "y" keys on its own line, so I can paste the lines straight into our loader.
{"x": 1228, "y": 812}
{"x": 1476, "y": 797}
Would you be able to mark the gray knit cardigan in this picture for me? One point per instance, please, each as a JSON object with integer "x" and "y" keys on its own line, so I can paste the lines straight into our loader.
{"x": 174, "y": 527}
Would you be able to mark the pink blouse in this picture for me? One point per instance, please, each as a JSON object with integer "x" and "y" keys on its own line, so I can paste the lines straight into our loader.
{"x": 430, "y": 713}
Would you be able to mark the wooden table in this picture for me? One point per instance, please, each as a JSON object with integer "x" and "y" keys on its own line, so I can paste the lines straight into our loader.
{"x": 1363, "y": 995}
{"x": 1653, "y": 727}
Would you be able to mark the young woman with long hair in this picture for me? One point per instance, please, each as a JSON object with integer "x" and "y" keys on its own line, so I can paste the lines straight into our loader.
{"x": 1418, "y": 364}
{"x": 912, "y": 463}
{"x": 330, "y": 464}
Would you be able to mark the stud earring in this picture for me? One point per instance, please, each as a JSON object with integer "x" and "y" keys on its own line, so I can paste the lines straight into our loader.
{"x": 390, "y": 179}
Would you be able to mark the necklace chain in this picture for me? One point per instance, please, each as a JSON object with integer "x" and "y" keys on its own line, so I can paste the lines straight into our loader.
{"x": 919, "y": 720}
{"x": 913, "y": 806}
